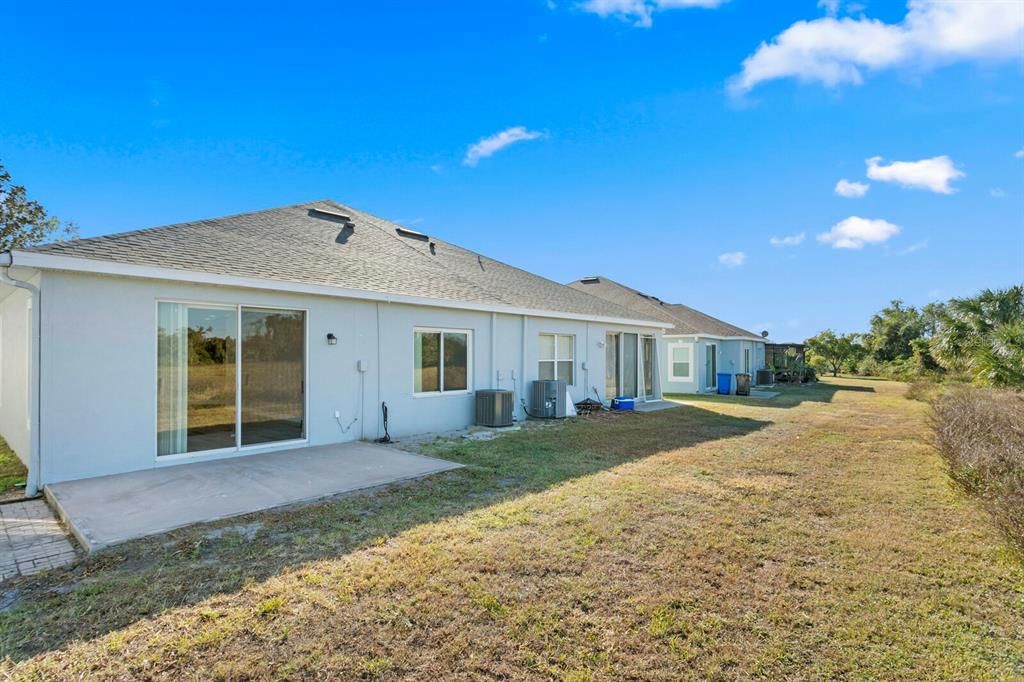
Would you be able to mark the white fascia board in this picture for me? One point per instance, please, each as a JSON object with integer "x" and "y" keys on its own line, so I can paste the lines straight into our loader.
{"x": 45, "y": 261}
{"x": 714, "y": 337}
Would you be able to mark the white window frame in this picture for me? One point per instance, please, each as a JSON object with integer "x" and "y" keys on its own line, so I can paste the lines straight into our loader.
{"x": 440, "y": 367}
{"x": 238, "y": 448}
{"x": 557, "y": 359}
{"x": 672, "y": 376}
{"x": 748, "y": 360}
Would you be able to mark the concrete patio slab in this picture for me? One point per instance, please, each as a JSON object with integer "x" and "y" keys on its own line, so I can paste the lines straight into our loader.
{"x": 110, "y": 509}
{"x": 760, "y": 393}
{"x": 654, "y": 406}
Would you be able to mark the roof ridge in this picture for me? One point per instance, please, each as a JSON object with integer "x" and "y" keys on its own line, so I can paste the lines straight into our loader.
{"x": 187, "y": 223}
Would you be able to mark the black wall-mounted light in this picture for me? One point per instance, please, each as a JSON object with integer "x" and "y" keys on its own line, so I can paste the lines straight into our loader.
{"x": 332, "y": 340}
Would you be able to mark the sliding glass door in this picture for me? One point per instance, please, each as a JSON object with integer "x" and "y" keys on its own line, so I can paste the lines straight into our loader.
{"x": 195, "y": 378}
{"x": 647, "y": 359}
{"x": 611, "y": 366}
{"x": 711, "y": 365}
{"x": 273, "y": 373}
{"x": 228, "y": 377}
{"x": 630, "y": 357}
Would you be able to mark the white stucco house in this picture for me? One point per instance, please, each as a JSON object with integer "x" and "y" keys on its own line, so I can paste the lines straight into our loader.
{"x": 281, "y": 329}
{"x": 695, "y": 349}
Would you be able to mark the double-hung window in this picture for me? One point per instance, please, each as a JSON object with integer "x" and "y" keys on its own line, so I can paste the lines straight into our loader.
{"x": 229, "y": 376}
{"x": 557, "y": 358}
{"x": 441, "y": 361}
{"x": 680, "y": 361}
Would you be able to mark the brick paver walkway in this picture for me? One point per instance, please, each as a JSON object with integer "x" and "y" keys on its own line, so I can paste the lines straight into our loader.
{"x": 31, "y": 540}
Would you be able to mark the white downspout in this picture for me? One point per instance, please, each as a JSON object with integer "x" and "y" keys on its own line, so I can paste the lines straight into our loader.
{"x": 494, "y": 370}
{"x": 586, "y": 372}
{"x": 379, "y": 408}
{"x": 35, "y": 459}
{"x": 522, "y": 369}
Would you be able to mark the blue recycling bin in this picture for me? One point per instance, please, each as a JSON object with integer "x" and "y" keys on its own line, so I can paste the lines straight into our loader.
{"x": 724, "y": 383}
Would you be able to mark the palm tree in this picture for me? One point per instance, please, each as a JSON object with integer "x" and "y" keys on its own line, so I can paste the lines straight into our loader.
{"x": 984, "y": 336}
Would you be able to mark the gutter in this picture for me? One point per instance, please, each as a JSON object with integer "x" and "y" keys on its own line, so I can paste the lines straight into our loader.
{"x": 35, "y": 406}
{"x": 43, "y": 261}
{"x": 717, "y": 337}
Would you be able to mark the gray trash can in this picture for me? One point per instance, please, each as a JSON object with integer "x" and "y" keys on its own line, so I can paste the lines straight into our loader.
{"x": 742, "y": 384}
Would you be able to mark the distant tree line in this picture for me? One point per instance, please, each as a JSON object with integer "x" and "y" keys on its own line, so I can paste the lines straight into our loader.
{"x": 978, "y": 338}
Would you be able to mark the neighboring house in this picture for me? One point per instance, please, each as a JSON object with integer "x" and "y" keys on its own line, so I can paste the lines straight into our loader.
{"x": 696, "y": 348}
{"x": 273, "y": 330}
{"x": 783, "y": 356}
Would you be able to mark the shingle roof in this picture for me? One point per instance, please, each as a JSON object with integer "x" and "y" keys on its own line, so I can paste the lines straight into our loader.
{"x": 684, "y": 319}
{"x": 298, "y": 244}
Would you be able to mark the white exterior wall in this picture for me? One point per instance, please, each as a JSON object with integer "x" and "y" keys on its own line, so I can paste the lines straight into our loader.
{"x": 98, "y": 411}
{"x": 15, "y": 367}
{"x": 729, "y": 356}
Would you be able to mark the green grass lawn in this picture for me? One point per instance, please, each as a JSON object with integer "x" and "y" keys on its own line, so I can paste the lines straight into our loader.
{"x": 815, "y": 535}
{"x": 12, "y": 471}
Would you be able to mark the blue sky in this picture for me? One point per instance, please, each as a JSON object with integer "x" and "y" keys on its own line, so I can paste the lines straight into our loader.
{"x": 658, "y": 139}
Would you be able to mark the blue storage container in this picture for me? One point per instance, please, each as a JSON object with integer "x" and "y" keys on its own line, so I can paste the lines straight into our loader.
{"x": 623, "y": 403}
{"x": 724, "y": 383}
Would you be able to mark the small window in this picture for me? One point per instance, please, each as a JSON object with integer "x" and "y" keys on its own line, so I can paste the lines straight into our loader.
{"x": 441, "y": 361}
{"x": 746, "y": 361}
{"x": 557, "y": 358}
{"x": 680, "y": 361}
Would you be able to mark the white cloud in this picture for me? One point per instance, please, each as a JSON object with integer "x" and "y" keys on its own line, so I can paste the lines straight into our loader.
{"x": 831, "y": 7}
{"x": 916, "y": 246}
{"x": 791, "y": 240}
{"x": 997, "y": 192}
{"x": 851, "y": 190}
{"x": 933, "y": 174}
{"x": 640, "y": 12}
{"x": 832, "y": 51}
{"x": 488, "y": 146}
{"x": 1019, "y": 154}
{"x": 855, "y": 232}
{"x": 733, "y": 259}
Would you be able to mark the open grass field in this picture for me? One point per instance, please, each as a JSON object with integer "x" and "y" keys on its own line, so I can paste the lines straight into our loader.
{"x": 815, "y": 535}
